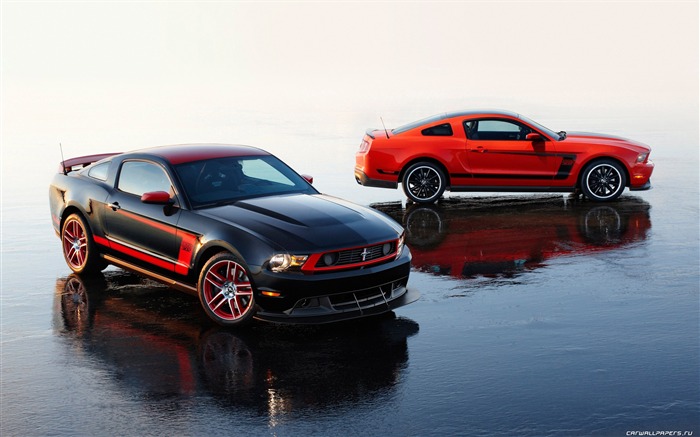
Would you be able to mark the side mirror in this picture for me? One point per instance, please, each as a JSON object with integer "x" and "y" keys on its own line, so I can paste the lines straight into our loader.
{"x": 307, "y": 178}
{"x": 533, "y": 136}
{"x": 157, "y": 197}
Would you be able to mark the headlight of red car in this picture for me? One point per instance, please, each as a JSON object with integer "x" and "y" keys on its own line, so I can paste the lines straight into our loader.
{"x": 642, "y": 157}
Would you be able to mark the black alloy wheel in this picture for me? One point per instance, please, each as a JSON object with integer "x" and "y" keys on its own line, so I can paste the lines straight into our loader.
{"x": 424, "y": 182}
{"x": 603, "y": 180}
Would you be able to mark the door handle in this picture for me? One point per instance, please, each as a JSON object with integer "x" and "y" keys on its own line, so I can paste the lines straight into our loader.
{"x": 479, "y": 149}
{"x": 115, "y": 206}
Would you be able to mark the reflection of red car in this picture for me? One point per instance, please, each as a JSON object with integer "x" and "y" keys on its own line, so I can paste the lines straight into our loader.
{"x": 502, "y": 236}
{"x": 498, "y": 151}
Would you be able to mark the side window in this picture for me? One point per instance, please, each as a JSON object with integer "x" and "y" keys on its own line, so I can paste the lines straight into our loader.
{"x": 99, "y": 171}
{"x": 441, "y": 130}
{"x": 498, "y": 130}
{"x": 470, "y": 129}
{"x": 497, "y": 126}
{"x": 138, "y": 177}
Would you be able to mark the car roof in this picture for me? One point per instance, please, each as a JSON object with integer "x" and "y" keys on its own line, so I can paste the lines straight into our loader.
{"x": 181, "y": 153}
{"x": 445, "y": 115}
{"x": 482, "y": 112}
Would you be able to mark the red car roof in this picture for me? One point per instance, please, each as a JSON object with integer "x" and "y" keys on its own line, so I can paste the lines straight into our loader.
{"x": 180, "y": 153}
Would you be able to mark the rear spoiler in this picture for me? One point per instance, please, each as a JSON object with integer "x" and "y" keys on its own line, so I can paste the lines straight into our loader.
{"x": 370, "y": 132}
{"x": 75, "y": 164}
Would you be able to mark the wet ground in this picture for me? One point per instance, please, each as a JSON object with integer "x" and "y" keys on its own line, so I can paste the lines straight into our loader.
{"x": 540, "y": 315}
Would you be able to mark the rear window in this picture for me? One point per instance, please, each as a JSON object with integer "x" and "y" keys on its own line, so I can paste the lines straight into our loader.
{"x": 415, "y": 124}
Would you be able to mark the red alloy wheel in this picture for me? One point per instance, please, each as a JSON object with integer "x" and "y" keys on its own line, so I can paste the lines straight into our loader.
{"x": 226, "y": 292}
{"x": 75, "y": 243}
{"x": 75, "y": 306}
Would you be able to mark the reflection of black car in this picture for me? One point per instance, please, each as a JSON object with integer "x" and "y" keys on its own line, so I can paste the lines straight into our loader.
{"x": 464, "y": 237}
{"x": 234, "y": 225}
{"x": 155, "y": 344}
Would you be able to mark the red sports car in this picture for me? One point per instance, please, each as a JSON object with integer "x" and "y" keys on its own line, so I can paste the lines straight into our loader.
{"x": 498, "y": 151}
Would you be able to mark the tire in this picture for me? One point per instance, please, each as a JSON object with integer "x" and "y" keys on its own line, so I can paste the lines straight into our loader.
{"x": 425, "y": 226}
{"x": 228, "y": 362}
{"x": 602, "y": 226}
{"x": 603, "y": 180}
{"x": 79, "y": 247}
{"x": 225, "y": 291}
{"x": 424, "y": 182}
{"x": 80, "y": 297}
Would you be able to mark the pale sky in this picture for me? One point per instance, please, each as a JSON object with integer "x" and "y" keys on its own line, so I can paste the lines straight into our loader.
{"x": 97, "y": 75}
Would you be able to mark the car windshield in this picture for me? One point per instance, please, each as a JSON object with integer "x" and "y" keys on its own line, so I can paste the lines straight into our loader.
{"x": 220, "y": 181}
{"x": 550, "y": 133}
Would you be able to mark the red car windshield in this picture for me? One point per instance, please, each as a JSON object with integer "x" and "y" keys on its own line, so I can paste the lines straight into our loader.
{"x": 550, "y": 133}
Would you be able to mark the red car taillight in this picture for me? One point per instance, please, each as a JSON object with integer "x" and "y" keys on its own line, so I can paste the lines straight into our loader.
{"x": 364, "y": 146}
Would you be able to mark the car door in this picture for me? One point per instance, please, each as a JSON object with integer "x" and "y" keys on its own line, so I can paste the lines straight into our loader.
{"x": 140, "y": 232}
{"x": 499, "y": 154}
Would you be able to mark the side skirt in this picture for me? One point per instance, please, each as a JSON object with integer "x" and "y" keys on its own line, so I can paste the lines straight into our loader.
{"x": 180, "y": 286}
{"x": 510, "y": 188}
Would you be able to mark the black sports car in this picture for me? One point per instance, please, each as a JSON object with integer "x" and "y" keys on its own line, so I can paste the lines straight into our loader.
{"x": 234, "y": 225}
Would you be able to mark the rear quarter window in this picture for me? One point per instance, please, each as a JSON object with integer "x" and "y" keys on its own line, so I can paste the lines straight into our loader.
{"x": 441, "y": 130}
{"x": 99, "y": 171}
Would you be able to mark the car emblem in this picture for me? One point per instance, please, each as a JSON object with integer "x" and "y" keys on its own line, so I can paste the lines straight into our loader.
{"x": 364, "y": 254}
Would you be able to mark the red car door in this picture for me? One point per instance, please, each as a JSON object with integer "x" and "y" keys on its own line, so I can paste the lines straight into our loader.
{"x": 500, "y": 154}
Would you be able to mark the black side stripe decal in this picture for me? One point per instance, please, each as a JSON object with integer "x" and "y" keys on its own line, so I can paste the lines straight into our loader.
{"x": 563, "y": 172}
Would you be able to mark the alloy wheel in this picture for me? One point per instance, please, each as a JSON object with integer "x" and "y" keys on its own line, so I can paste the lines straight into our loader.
{"x": 227, "y": 291}
{"x": 75, "y": 244}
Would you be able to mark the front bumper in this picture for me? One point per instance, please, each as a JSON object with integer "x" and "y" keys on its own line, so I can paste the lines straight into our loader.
{"x": 640, "y": 175}
{"x": 644, "y": 187}
{"x": 330, "y": 297}
{"x": 325, "y": 309}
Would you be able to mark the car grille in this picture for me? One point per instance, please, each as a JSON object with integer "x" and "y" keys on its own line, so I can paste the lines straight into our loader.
{"x": 358, "y": 255}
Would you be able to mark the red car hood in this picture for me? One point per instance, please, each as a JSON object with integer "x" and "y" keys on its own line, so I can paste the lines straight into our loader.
{"x": 587, "y": 137}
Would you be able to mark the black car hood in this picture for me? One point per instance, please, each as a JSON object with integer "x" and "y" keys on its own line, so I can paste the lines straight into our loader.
{"x": 308, "y": 222}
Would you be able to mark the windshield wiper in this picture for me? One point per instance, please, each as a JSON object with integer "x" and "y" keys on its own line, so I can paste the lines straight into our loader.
{"x": 562, "y": 135}
{"x": 216, "y": 204}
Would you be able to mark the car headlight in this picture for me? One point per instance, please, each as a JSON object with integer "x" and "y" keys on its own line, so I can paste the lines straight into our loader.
{"x": 283, "y": 261}
{"x": 399, "y": 245}
{"x": 642, "y": 157}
